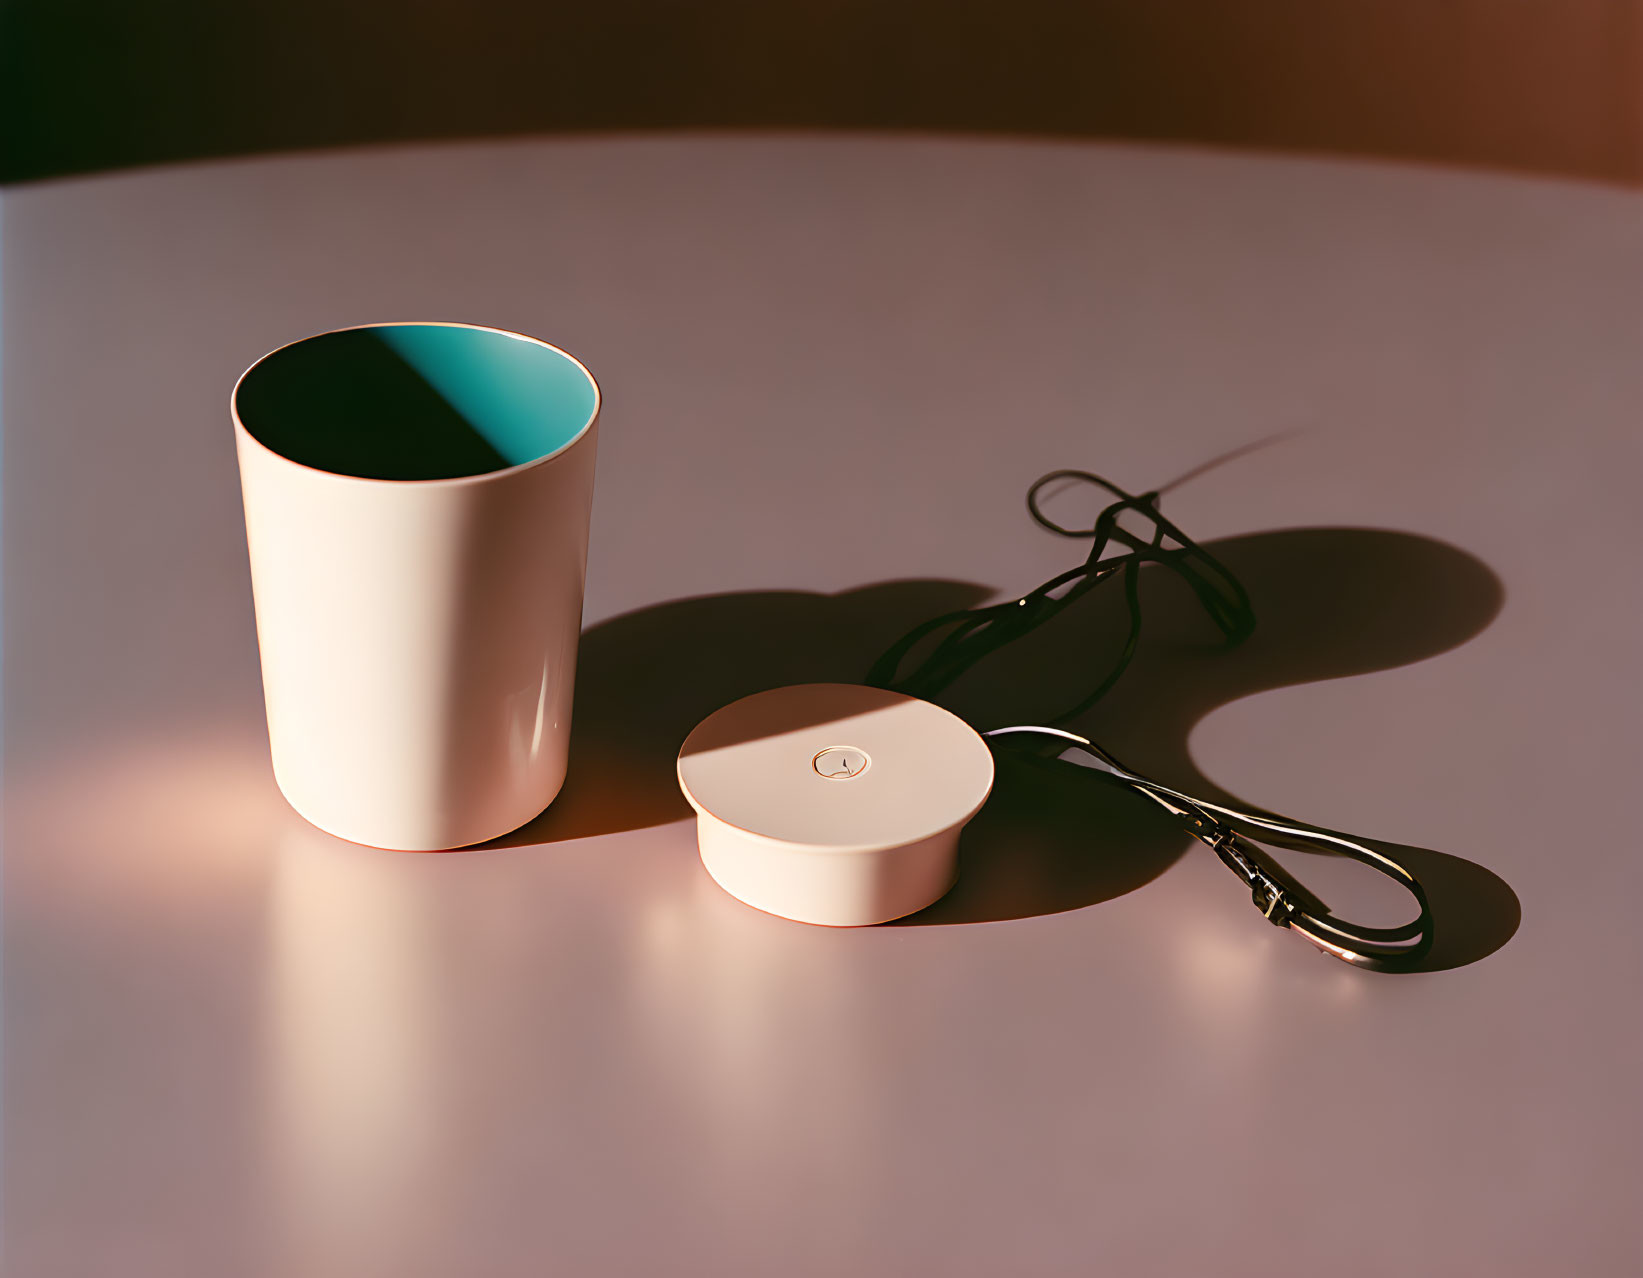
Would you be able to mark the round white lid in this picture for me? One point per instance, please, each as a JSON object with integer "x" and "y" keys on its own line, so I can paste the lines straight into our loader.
{"x": 836, "y": 767}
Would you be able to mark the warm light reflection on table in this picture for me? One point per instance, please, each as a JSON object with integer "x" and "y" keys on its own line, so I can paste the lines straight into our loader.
{"x": 168, "y": 823}
{"x": 235, "y": 1047}
{"x": 355, "y": 1053}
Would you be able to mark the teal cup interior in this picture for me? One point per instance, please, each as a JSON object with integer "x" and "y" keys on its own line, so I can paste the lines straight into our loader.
{"x": 416, "y": 401}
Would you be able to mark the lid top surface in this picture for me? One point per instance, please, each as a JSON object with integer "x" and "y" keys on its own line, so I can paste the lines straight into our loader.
{"x": 836, "y": 767}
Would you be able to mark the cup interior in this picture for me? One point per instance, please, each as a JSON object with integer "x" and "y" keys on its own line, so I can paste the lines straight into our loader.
{"x": 416, "y": 401}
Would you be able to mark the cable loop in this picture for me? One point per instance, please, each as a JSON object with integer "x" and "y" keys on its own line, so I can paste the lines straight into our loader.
{"x": 975, "y": 633}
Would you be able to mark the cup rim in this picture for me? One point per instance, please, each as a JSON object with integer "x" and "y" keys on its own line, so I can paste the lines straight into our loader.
{"x": 244, "y": 435}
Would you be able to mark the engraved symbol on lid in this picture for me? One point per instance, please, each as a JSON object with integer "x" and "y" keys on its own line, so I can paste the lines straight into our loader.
{"x": 840, "y": 763}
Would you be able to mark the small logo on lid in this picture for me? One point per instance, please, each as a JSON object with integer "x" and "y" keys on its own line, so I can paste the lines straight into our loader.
{"x": 840, "y": 763}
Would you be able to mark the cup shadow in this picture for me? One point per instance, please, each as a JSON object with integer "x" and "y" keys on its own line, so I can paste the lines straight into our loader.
{"x": 646, "y": 678}
{"x": 1330, "y": 602}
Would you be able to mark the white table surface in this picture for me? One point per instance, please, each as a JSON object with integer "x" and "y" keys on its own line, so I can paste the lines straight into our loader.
{"x": 235, "y": 1046}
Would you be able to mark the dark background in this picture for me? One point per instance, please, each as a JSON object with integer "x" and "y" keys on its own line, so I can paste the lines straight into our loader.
{"x": 1542, "y": 85}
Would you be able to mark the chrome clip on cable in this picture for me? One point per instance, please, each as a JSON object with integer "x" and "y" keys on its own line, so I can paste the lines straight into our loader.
{"x": 1369, "y": 947}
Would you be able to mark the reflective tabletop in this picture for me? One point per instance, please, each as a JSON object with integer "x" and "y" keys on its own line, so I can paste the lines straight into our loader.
{"x": 1401, "y": 403}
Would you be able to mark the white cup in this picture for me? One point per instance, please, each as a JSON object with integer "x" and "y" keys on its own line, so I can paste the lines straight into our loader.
{"x": 416, "y": 508}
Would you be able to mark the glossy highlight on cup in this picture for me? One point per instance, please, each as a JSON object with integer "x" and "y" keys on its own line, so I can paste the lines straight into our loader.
{"x": 417, "y": 499}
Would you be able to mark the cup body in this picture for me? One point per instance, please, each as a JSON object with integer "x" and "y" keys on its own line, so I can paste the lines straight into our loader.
{"x": 417, "y": 636}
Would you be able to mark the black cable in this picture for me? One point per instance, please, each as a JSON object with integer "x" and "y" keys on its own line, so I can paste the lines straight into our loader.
{"x": 975, "y": 633}
{"x": 1284, "y": 903}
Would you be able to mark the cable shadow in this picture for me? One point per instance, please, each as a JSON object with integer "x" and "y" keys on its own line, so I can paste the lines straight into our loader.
{"x": 1331, "y": 602}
